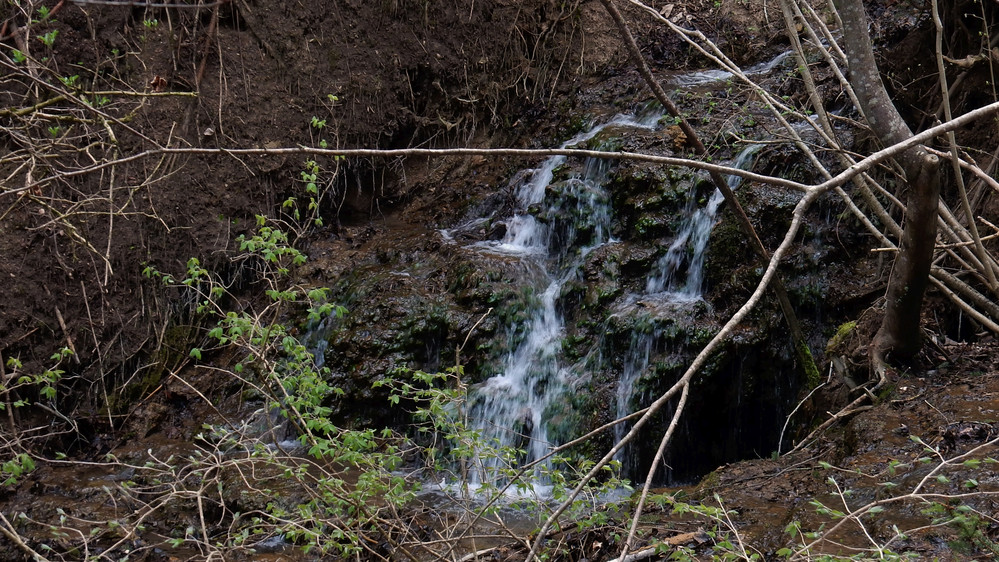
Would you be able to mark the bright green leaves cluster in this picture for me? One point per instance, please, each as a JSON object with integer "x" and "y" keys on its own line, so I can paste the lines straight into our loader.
{"x": 48, "y": 39}
{"x": 316, "y": 179}
{"x": 18, "y": 382}
{"x": 310, "y": 177}
{"x": 17, "y": 387}
{"x": 454, "y": 450}
{"x": 436, "y": 401}
{"x": 15, "y": 468}
{"x": 283, "y": 374}
{"x": 322, "y": 307}
{"x": 272, "y": 245}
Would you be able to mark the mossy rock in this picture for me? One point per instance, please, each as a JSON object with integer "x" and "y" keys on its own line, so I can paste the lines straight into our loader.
{"x": 840, "y": 338}
{"x": 649, "y": 226}
{"x": 649, "y": 202}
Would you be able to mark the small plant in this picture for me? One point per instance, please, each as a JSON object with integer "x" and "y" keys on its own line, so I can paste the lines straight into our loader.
{"x": 310, "y": 177}
{"x": 272, "y": 245}
{"x": 69, "y": 81}
{"x": 96, "y": 101}
{"x": 15, "y": 468}
{"x": 17, "y": 388}
{"x": 44, "y": 383}
{"x": 349, "y": 481}
{"x": 49, "y": 39}
{"x": 150, "y": 24}
{"x": 44, "y": 13}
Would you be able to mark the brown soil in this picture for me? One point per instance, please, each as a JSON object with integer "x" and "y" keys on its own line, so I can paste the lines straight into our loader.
{"x": 403, "y": 74}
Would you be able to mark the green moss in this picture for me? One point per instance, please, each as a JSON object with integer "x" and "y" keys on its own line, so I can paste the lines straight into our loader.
{"x": 178, "y": 340}
{"x": 701, "y": 336}
{"x": 607, "y": 293}
{"x": 605, "y": 143}
{"x": 575, "y": 346}
{"x": 812, "y": 374}
{"x": 651, "y": 226}
{"x": 886, "y": 392}
{"x": 707, "y": 484}
{"x": 840, "y": 336}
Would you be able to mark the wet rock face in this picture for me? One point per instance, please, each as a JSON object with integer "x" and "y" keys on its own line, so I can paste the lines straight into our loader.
{"x": 648, "y": 198}
{"x": 415, "y": 294}
{"x": 399, "y": 315}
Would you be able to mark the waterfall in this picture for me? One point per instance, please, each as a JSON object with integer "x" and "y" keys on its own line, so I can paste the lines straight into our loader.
{"x": 553, "y": 229}
{"x": 635, "y": 363}
{"x": 680, "y": 272}
{"x": 554, "y": 226}
{"x": 707, "y": 77}
{"x": 677, "y": 279}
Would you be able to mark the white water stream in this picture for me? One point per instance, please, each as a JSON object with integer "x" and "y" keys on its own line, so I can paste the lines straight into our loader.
{"x": 677, "y": 279}
{"x": 705, "y": 77}
{"x": 680, "y": 272}
{"x": 509, "y": 408}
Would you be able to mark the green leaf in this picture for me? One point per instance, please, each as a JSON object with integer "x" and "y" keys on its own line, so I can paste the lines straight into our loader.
{"x": 196, "y": 353}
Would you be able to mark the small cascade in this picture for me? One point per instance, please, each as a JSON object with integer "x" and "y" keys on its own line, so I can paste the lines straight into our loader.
{"x": 707, "y": 77}
{"x": 553, "y": 229}
{"x": 676, "y": 281}
{"x": 680, "y": 272}
{"x": 636, "y": 361}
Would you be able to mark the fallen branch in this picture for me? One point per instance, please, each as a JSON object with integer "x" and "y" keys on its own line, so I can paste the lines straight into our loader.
{"x": 8, "y": 531}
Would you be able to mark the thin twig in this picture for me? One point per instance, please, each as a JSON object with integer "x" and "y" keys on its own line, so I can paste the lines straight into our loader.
{"x": 8, "y": 531}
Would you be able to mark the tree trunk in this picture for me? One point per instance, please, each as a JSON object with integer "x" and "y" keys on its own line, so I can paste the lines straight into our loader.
{"x": 899, "y": 335}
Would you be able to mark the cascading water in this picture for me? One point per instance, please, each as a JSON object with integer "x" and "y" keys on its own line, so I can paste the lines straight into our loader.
{"x": 680, "y": 272}
{"x": 676, "y": 279}
{"x": 509, "y": 408}
{"x": 705, "y": 77}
